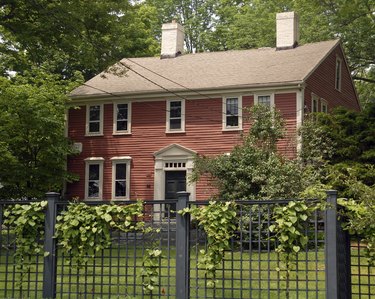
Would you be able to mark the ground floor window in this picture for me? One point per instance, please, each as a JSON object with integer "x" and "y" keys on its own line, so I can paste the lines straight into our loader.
{"x": 94, "y": 178}
{"x": 121, "y": 177}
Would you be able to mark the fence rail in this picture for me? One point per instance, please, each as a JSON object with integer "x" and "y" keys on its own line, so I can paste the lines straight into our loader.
{"x": 332, "y": 265}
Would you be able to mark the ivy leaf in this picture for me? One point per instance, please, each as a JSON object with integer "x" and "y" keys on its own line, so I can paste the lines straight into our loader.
{"x": 296, "y": 248}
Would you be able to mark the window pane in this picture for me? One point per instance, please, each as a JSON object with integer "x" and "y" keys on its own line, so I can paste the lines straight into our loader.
{"x": 93, "y": 189}
{"x": 94, "y": 127}
{"x": 122, "y": 125}
{"x": 120, "y": 188}
{"x": 232, "y": 121}
{"x": 175, "y": 124}
{"x": 122, "y": 111}
{"x": 232, "y": 106}
{"x": 120, "y": 171}
{"x": 93, "y": 172}
{"x": 94, "y": 113}
{"x": 264, "y": 100}
{"x": 175, "y": 109}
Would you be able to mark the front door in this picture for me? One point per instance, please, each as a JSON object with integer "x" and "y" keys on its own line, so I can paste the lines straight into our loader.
{"x": 175, "y": 181}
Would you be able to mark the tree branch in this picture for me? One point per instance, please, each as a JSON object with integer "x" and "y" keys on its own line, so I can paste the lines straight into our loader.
{"x": 364, "y": 79}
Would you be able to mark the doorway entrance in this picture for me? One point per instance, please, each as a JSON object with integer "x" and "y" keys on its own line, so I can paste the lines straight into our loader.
{"x": 175, "y": 181}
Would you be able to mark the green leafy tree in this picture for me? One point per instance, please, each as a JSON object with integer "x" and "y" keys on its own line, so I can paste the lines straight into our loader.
{"x": 254, "y": 168}
{"x": 67, "y": 36}
{"x": 33, "y": 145}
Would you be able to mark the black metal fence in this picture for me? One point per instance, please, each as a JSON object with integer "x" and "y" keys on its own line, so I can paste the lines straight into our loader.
{"x": 330, "y": 265}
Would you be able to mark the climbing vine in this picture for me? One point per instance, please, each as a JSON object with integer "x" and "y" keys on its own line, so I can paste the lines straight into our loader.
{"x": 150, "y": 269}
{"x": 27, "y": 222}
{"x": 218, "y": 220}
{"x": 289, "y": 230}
{"x": 84, "y": 230}
{"x": 360, "y": 221}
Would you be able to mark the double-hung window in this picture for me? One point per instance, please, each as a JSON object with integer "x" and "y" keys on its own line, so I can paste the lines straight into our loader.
{"x": 265, "y": 99}
{"x": 122, "y": 118}
{"x": 94, "y": 178}
{"x": 120, "y": 177}
{"x": 175, "y": 116}
{"x": 323, "y": 106}
{"x": 314, "y": 103}
{"x": 94, "y": 119}
{"x": 232, "y": 113}
{"x": 338, "y": 74}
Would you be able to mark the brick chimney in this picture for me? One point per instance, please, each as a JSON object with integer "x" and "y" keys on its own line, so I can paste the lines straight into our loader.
{"x": 287, "y": 30}
{"x": 172, "y": 40}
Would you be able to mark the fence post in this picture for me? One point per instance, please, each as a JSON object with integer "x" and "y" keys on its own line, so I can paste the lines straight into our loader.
{"x": 49, "y": 270}
{"x": 182, "y": 248}
{"x": 337, "y": 249}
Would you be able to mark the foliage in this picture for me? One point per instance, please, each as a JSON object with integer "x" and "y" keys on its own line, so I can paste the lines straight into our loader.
{"x": 218, "y": 221}
{"x": 27, "y": 222}
{"x": 354, "y": 141}
{"x": 359, "y": 214}
{"x": 290, "y": 232}
{"x": 69, "y": 36}
{"x": 254, "y": 169}
{"x": 33, "y": 146}
{"x": 84, "y": 230}
{"x": 150, "y": 269}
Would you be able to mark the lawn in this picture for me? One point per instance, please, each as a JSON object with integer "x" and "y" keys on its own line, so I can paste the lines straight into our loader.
{"x": 115, "y": 274}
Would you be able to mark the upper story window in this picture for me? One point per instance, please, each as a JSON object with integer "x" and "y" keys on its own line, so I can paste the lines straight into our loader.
{"x": 314, "y": 103}
{"x": 264, "y": 100}
{"x": 175, "y": 116}
{"x": 232, "y": 113}
{"x": 323, "y": 106}
{"x": 122, "y": 118}
{"x": 120, "y": 177}
{"x": 338, "y": 74}
{"x": 94, "y": 120}
{"x": 94, "y": 178}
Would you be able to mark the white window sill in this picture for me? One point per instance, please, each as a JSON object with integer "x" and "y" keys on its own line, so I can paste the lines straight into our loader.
{"x": 94, "y": 135}
{"x": 175, "y": 132}
{"x": 120, "y": 199}
{"x": 232, "y": 129}
{"x": 92, "y": 199}
{"x": 121, "y": 133}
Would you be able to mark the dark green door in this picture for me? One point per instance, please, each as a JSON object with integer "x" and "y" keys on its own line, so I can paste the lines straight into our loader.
{"x": 175, "y": 181}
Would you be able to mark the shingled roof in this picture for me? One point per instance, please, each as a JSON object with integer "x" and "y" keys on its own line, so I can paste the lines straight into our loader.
{"x": 210, "y": 71}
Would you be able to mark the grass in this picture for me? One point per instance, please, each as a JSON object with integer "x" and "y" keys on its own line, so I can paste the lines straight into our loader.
{"x": 115, "y": 274}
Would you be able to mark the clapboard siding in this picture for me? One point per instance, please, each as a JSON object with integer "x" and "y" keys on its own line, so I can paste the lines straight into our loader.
{"x": 287, "y": 104}
{"x": 203, "y": 134}
{"x": 322, "y": 83}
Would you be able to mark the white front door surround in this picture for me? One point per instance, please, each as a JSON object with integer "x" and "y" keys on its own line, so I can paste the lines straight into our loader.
{"x": 173, "y": 157}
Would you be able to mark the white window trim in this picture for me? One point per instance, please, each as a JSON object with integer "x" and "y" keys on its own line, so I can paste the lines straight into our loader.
{"x": 100, "y": 133}
{"x": 128, "y": 131}
{"x": 272, "y": 98}
{"x": 224, "y": 107}
{"x": 323, "y": 103}
{"x": 121, "y": 160}
{"x": 88, "y": 162}
{"x": 338, "y": 60}
{"x": 182, "y": 129}
{"x": 314, "y": 97}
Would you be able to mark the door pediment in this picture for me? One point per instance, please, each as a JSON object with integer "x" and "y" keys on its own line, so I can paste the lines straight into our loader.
{"x": 174, "y": 151}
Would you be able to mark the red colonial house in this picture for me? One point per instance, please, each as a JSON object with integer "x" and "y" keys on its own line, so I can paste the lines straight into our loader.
{"x": 137, "y": 133}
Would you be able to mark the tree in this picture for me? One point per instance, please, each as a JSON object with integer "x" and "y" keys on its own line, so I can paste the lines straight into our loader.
{"x": 254, "y": 169}
{"x": 33, "y": 148}
{"x": 66, "y": 36}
